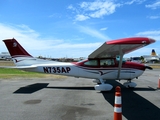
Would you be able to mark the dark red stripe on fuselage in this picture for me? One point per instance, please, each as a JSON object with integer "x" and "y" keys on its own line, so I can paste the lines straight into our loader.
{"x": 125, "y": 66}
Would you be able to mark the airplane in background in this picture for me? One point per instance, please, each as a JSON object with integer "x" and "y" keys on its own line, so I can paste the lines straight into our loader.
{"x": 105, "y": 63}
{"x": 5, "y": 56}
{"x": 151, "y": 58}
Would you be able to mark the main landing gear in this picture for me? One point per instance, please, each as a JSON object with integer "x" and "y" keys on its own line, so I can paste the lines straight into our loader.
{"x": 102, "y": 86}
{"x": 107, "y": 87}
{"x": 129, "y": 84}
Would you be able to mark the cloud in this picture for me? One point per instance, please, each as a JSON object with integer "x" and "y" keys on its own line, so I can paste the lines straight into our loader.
{"x": 96, "y": 9}
{"x": 154, "y": 17}
{"x": 93, "y": 33}
{"x": 37, "y": 45}
{"x": 26, "y": 35}
{"x": 71, "y": 7}
{"x": 155, "y": 5}
{"x": 74, "y": 46}
{"x": 81, "y": 17}
{"x": 99, "y": 8}
{"x": 103, "y": 29}
{"x": 134, "y": 1}
{"x": 155, "y": 34}
{"x": 12, "y": 30}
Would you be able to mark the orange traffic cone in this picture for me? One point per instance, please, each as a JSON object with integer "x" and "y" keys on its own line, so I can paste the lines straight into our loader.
{"x": 158, "y": 83}
{"x": 118, "y": 104}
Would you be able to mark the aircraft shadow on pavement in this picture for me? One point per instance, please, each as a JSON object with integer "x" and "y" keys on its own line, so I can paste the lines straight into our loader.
{"x": 38, "y": 86}
{"x": 134, "y": 106}
{"x": 72, "y": 88}
{"x": 31, "y": 88}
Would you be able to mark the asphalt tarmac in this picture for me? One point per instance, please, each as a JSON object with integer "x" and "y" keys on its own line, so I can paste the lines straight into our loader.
{"x": 75, "y": 99}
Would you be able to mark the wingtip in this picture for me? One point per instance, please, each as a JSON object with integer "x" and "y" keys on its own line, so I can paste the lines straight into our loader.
{"x": 152, "y": 40}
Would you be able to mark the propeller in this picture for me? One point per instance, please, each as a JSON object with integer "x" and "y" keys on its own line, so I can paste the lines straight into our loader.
{"x": 148, "y": 67}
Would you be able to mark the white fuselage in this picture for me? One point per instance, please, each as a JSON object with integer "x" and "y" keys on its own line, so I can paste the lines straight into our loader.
{"x": 70, "y": 69}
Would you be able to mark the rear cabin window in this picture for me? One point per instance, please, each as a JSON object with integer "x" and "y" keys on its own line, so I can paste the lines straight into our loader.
{"x": 91, "y": 63}
{"x": 107, "y": 62}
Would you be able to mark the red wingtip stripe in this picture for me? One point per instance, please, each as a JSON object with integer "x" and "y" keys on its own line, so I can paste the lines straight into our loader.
{"x": 132, "y": 40}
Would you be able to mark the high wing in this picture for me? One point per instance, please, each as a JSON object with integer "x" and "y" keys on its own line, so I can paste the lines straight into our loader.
{"x": 120, "y": 47}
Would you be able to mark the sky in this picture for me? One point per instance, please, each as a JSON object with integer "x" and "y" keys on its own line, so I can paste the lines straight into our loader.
{"x": 75, "y": 28}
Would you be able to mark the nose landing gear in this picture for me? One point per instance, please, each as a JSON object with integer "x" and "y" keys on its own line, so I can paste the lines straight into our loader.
{"x": 129, "y": 84}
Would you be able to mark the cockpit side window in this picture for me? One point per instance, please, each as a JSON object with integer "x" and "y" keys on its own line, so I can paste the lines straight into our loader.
{"x": 91, "y": 63}
{"x": 107, "y": 62}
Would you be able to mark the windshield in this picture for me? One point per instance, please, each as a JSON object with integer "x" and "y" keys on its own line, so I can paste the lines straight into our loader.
{"x": 91, "y": 63}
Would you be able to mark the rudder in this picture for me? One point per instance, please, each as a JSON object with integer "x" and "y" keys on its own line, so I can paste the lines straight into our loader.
{"x": 15, "y": 49}
{"x": 153, "y": 53}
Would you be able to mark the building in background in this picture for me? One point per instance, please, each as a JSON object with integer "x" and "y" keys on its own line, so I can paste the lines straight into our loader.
{"x": 5, "y": 56}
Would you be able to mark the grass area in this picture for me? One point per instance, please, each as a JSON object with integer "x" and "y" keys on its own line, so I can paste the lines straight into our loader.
{"x": 10, "y": 73}
{"x": 155, "y": 66}
{"x": 6, "y": 63}
{"x": 7, "y": 73}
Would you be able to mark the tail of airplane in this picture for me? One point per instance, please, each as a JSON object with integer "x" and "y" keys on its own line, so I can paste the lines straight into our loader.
{"x": 153, "y": 53}
{"x": 21, "y": 58}
{"x": 18, "y": 53}
{"x": 15, "y": 49}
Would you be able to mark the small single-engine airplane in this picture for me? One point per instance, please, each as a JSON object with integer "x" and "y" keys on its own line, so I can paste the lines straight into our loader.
{"x": 105, "y": 63}
{"x": 151, "y": 58}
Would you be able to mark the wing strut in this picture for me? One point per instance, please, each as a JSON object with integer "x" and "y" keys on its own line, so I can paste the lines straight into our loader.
{"x": 120, "y": 62}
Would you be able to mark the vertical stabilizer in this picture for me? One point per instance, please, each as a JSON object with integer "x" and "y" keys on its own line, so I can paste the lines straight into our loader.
{"x": 15, "y": 49}
{"x": 19, "y": 55}
{"x": 153, "y": 53}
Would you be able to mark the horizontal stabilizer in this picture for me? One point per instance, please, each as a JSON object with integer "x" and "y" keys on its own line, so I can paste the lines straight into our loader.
{"x": 19, "y": 67}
